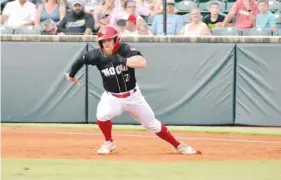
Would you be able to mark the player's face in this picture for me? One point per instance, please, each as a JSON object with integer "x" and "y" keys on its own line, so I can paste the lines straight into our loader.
{"x": 108, "y": 45}
{"x": 214, "y": 10}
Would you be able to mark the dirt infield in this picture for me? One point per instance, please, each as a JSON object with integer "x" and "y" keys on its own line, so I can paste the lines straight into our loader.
{"x": 134, "y": 146}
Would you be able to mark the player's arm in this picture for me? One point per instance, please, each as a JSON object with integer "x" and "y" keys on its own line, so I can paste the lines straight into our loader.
{"x": 76, "y": 66}
{"x": 85, "y": 59}
{"x": 137, "y": 61}
{"x": 230, "y": 15}
{"x": 133, "y": 58}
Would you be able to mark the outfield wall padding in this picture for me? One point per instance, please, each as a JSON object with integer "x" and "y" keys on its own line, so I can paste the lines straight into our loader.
{"x": 185, "y": 83}
{"x": 258, "y": 87}
{"x": 34, "y": 88}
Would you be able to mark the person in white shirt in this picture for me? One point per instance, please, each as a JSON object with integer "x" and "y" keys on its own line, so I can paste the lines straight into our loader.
{"x": 18, "y": 13}
{"x": 196, "y": 27}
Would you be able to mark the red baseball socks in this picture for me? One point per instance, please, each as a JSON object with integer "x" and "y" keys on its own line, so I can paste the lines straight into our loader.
{"x": 106, "y": 127}
{"x": 167, "y": 136}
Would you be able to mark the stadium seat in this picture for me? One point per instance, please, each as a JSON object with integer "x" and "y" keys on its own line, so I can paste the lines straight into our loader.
{"x": 257, "y": 32}
{"x": 274, "y": 5}
{"x": 28, "y": 30}
{"x": 278, "y": 19}
{"x": 186, "y": 5}
{"x": 200, "y": 1}
{"x": 186, "y": 18}
{"x": 228, "y": 6}
{"x": 206, "y": 6}
{"x": 149, "y": 20}
{"x": 277, "y": 32}
{"x": 226, "y": 32}
{"x": 6, "y": 30}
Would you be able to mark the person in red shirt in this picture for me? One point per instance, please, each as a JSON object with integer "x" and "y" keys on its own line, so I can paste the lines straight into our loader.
{"x": 245, "y": 12}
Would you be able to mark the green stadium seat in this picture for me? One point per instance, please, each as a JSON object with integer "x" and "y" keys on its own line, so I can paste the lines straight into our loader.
{"x": 206, "y": 6}
{"x": 186, "y": 18}
{"x": 186, "y": 5}
{"x": 6, "y": 30}
{"x": 201, "y": 1}
{"x": 28, "y": 30}
{"x": 278, "y": 32}
{"x": 149, "y": 20}
{"x": 277, "y": 16}
{"x": 228, "y": 31}
{"x": 228, "y": 6}
{"x": 274, "y": 5}
{"x": 257, "y": 32}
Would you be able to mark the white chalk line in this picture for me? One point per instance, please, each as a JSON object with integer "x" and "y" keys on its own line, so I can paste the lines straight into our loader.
{"x": 142, "y": 136}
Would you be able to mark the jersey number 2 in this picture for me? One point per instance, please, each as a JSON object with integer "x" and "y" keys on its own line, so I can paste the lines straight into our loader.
{"x": 127, "y": 77}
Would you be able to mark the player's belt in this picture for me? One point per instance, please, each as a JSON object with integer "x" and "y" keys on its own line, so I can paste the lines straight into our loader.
{"x": 125, "y": 94}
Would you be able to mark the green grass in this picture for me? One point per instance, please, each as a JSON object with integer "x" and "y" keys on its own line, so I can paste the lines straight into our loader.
{"x": 195, "y": 129}
{"x": 27, "y": 169}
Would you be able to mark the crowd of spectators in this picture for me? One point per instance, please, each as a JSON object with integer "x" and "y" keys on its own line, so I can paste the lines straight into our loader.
{"x": 137, "y": 17}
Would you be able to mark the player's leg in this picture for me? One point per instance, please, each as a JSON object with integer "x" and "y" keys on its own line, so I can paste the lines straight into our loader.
{"x": 138, "y": 108}
{"x": 108, "y": 108}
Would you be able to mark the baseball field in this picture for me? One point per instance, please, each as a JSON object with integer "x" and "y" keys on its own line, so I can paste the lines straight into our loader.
{"x": 63, "y": 151}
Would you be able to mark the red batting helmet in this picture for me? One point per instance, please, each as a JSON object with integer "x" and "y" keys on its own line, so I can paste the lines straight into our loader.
{"x": 109, "y": 32}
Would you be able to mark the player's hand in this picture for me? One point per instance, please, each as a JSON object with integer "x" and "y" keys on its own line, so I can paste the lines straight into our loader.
{"x": 73, "y": 80}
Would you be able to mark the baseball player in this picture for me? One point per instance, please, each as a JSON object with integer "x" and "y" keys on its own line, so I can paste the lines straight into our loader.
{"x": 116, "y": 62}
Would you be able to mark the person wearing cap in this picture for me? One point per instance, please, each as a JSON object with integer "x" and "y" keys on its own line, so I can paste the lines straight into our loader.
{"x": 121, "y": 26}
{"x": 102, "y": 19}
{"x": 174, "y": 22}
{"x": 131, "y": 25}
{"x": 77, "y": 22}
{"x": 49, "y": 27}
{"x": 130, "y": 7}
{"x": 105, "y": 9}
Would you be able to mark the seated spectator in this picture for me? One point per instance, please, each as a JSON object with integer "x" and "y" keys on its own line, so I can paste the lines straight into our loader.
{"x": 265, "y": 19}
{"x": 196, "y": 27}
{"x": 156, "y": 7}
{"x": 77, "y": 21}
{"x": 51, "y": 9}
{"x": 18, "y": 13}
{"x": 132, "y": 29}
{"x": 245, "y": 12}
{"x": 144, "y": 29}
{"x": 174, "y": 22}
{"x": 103, "y": 19}
{"x": 142, "y": 8}
{"x": 106, "y": 8}
{"x": 131, "y": 25}
{"x": 49, "y": 27}
{"x": 214, "y": 19}
{"x": 121, "y": 25}
{"x": 129, "y": 8}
